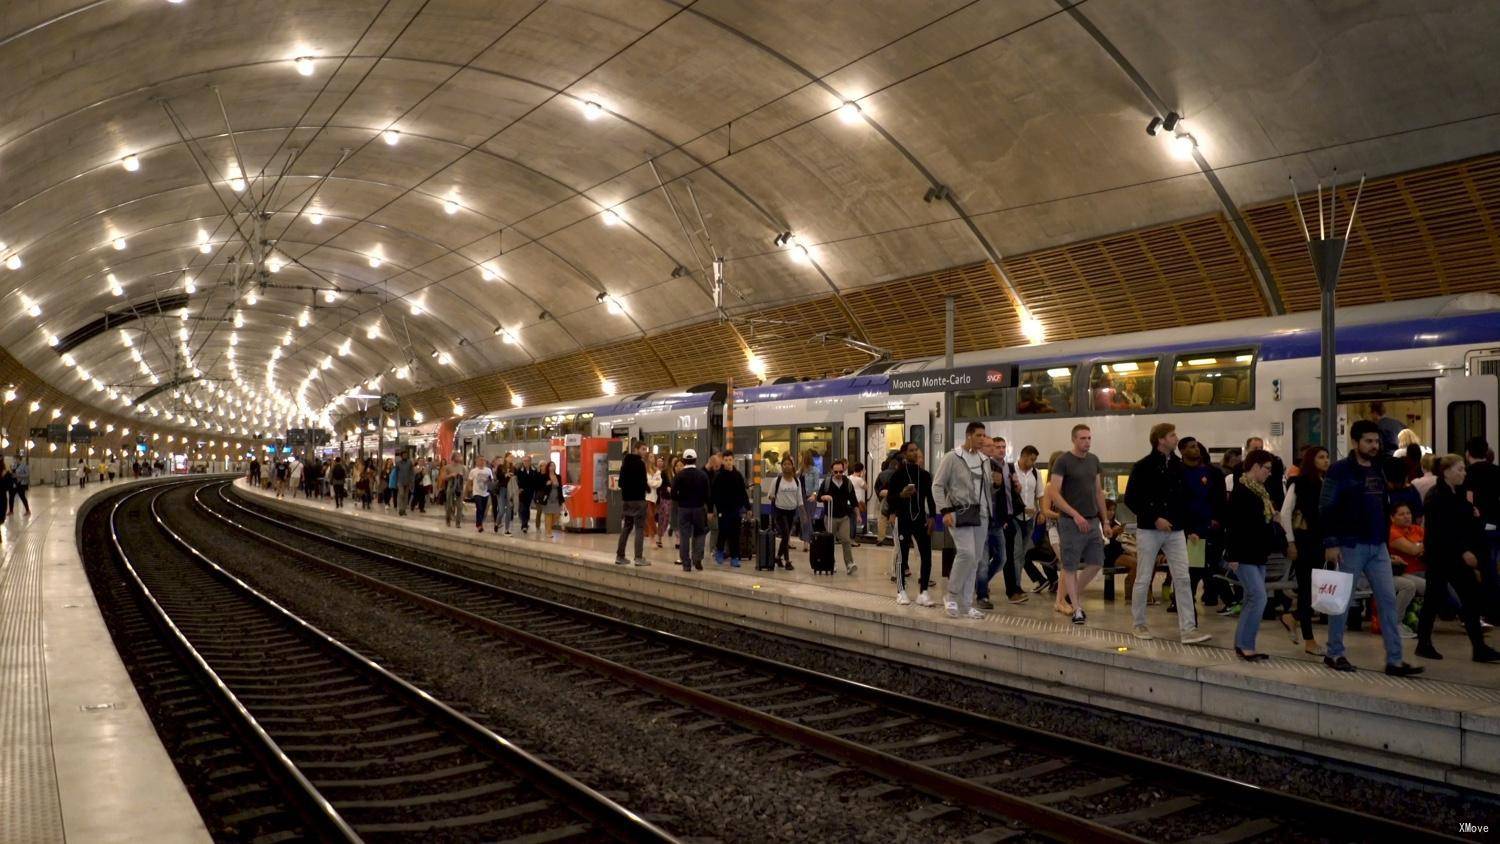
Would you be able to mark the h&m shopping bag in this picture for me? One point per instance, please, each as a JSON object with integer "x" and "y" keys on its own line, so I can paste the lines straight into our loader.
{"x": 1331, "y": 591}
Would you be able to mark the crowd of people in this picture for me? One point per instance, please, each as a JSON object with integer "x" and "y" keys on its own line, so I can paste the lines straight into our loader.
{"x": 1417, "y": 531}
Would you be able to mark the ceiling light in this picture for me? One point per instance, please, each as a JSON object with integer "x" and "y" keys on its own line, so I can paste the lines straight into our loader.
{"x": 509, "y": 337}
{"x": 327, "y": 361}
{"x": 304, "y": 65}
{"x": 782, "y": 239}
{"x": 373, "y": 331}
{"x": 30, "y": 306}
{"x": 316, "y": 218}
{"x": 486, "y": 273}
{"x": 391, "y": 137}
{"x": 189, "y": 286}
{"x": 403, "y": 372}
{"x": 608, "y": 386}
{"x": 13, "y": 262}
{"x": 375, "y": 260}
{"x": 69, "y": 360}
{"x": 52, "y": 340}
{"x": 125, "y": 338}
{"x": 517, "y": 401}
{"x": 1182, "y": 145}
{"x": 445, "y": 359}
{"x": 275, "y": 263}
{"x": 415, "y": 307}
{"x": 239, "y": 319}
{"x": 130, "y": 163}
{"x": 849, "y": 113}
{"x": 114, "y": 284}
{"x": 120, "y": 244}
{"x": 450, "y": 206}
{"x": 757, "y": 365}
{"x": 252, "y": 297}
{"x": 1152, "y": 126}
{"x": 182, "y": 333}
{"x": 346, "y": 347}
{"x": 592, "y": 110}
{"x": 234, "y": 340}
{"x": 135, "y": 355}
{"x": 611, "y": 217}
{"x": 304, "y": 318}
{"x": 236, "y": 184}
{"x": 800, "y": 254}
{"x": 1031, "y": 328}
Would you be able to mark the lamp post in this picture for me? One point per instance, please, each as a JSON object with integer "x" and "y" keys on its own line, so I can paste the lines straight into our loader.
{"x": 1327, "y": 253}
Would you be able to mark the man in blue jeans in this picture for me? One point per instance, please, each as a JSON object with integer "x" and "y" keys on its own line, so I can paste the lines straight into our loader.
{"x": 1005, "y": 493}
{"x": 1353, "y": 512}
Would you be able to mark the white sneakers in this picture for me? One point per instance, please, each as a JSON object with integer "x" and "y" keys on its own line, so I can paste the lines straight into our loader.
{"x": 1142, "y": 631}
{"x": 901, "y": 599}
{"x": 952, "y": 608}
{"x": 923, "y": 600}
{"x": 974, "y": 614}
{"x": 1195, "y": 637}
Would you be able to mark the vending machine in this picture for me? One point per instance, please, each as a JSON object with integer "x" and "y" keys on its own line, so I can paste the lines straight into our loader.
{"x": 587, "y": 482}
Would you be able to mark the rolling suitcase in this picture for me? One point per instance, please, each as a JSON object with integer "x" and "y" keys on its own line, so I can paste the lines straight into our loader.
{"x": 820, "y": 552}
{"x": 765, "y": 550}
{"x": 748, "y": 538}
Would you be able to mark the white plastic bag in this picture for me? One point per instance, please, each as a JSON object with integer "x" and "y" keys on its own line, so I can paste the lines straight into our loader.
{"x": 1331, "y": 591}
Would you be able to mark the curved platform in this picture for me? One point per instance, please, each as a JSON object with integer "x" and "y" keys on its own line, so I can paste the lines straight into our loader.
{"x": 1443, "y": 726}
{"x": 79, "y": 758}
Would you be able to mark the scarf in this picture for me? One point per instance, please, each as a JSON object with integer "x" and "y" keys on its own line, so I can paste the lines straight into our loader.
{"x": 1265, "y": 497}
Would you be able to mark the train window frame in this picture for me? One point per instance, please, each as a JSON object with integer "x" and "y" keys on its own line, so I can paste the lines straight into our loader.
{"x": 1166, "y": 378}
{"x": 1302, "y": 413}
{"x": 853, "y": 444}
{"x": 1456, "y": 443}
{"x": 1094, "y": 369}
{"x": 1050, "y": 370}
{"x": 918, "y": 434}
{"x": 1000, "y": 405}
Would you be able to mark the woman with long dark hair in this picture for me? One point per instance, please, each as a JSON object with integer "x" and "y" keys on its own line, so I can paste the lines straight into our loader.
{"x": 551, "y": 498}
{"x": 1455, "y": 544}
{"x": 1251, "y": 537}
{"x": 1299, "y": 518}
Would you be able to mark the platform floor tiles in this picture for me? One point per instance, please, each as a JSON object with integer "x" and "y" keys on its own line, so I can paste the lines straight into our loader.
{"x": 79, "y": 758}
{"x": 1109, "y": 622}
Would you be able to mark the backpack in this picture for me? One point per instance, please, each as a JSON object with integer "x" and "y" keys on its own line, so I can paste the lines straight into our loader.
{"x": 776, "y": 488}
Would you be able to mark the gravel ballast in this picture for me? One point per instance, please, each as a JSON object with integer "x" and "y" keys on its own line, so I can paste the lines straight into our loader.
{"x": 1416, "y": 802}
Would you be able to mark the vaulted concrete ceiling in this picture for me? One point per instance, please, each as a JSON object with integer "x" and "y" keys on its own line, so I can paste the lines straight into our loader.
{"x": 509, "y": 163}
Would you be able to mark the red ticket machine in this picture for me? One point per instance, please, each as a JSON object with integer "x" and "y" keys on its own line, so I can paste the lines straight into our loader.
{"x": 587, "y": 482}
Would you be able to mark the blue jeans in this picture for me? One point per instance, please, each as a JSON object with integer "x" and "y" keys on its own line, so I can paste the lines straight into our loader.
{"x": 995, "y": 551}
{"x": 1253, "y": 581}
{"x": 1374, "y": 562}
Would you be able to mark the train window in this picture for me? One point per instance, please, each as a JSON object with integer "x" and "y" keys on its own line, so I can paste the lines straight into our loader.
{"x": 852, "y": 445}
{"x": 985, "y": 404}
{"x": 1307, "y": 428}
{"x": 533, "y": 428}
{"x": 918, "y": 435}
{"x": 774, "y": 443}
{"x": 1465, "y": 421}
{"x": 1045, "y": 391}
{"x": 817, "y": 439}
{"x": 1123, "y": 386}
{"x": 660, "y": 442}
{"x": 1214, "y": 379}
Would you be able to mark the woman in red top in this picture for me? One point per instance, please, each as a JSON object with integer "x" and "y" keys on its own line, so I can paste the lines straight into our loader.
{"x": 1406, "y": 547}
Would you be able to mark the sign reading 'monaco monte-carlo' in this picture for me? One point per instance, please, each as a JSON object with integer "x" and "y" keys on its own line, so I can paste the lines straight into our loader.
{"x": 961, "y": 379}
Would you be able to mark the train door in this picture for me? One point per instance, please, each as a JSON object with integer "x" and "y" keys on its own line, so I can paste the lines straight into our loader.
{"x": 1408, "y": 401}
{"x": 884, "y": 432}
{"x": 1466, "y": 408}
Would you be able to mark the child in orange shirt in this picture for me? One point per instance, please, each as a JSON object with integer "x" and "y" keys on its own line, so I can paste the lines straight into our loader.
{"x": 1406, "y": 546}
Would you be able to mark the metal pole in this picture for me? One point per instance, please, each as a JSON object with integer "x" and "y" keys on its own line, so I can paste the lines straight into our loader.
{"x": 1328, "y": 260}
{"x": 949, "y": 314}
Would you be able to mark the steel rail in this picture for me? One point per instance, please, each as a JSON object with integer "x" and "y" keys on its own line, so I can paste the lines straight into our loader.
{"x": 612, "y": 818}
{"x": 1340, "y": 819}
{"x": 1054, "y": 823}
{"x": 305, "y": 797}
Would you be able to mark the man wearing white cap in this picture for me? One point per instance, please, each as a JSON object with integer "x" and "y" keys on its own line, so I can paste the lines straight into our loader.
{"x": 690, "y": 496}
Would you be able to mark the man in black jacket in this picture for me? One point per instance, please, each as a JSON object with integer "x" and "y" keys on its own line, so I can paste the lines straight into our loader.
{"x": 1155, "y": 495}
{"x": 909, "y": 498}
{"x": 528, "y": 479}
{"x": 633, "y": 504}
{"x": 729, "y": 501}
{"x": 690, "y": 498}
{"x": 837, "y": 494}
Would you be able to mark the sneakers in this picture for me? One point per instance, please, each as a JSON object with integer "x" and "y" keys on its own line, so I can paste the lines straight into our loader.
{"x": 1338, "y": 664}
{"x": 1141, "y": 631}
{"x": 507, "y": 531}
{"x": 1407, "y": 632}
{"x": 923, "y": 600}
{"x": 984, "y": 603}
{"x": 901, "y": 599}
{"x": 1079, "y": 617}
{"x": 853, "y": 567}
{"x": 621, "y": 561}
{"x": 974, "y": 614}
{"x": 734, "y": 562}
{"x": 1019, "y": 598}
{"x": 1403, "y": 670}
{"x": 641, "y": 561}
{"x": 952, "y": 608}
{"x": 1427, "y": 651}
{"x": 1487, "y": 655}
{"x": 719, "y": 558}
{"x": 1195, "y": 637}
{"x": 1229, "y": 609}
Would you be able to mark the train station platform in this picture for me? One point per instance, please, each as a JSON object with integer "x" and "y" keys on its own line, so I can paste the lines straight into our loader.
{"x": 79, "y": 758}
{"x": 1442, "y": 726}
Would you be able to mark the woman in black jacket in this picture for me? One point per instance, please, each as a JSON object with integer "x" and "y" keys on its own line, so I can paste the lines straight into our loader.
{"x": 1455, "y": 542}
{"x": 1299, "y": 516}
{"x": 1252, "y": 536}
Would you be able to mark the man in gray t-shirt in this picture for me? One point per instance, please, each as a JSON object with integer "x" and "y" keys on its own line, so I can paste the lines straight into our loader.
{"x": 1075, "y": 491}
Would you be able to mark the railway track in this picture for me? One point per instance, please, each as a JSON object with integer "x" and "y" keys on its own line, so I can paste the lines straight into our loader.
{"x": 354, "y": 752}
{"x": 1060, "y": 787}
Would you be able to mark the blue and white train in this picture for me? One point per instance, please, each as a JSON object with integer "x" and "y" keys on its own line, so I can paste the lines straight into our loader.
{"x": 1433, "y": 363}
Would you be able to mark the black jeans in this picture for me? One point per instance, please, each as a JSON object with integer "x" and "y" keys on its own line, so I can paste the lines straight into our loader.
{"x": 338, "y": 495}
{"x": 19, "y": 491}
{"x": 1441, "y": 575}
{"x": 729, "y": 534}
{"x": 783, "y": 520}
{"x": 525, "y": 509}
{"x": 1309, "y": 555}
{"x": 915, "y": 531}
